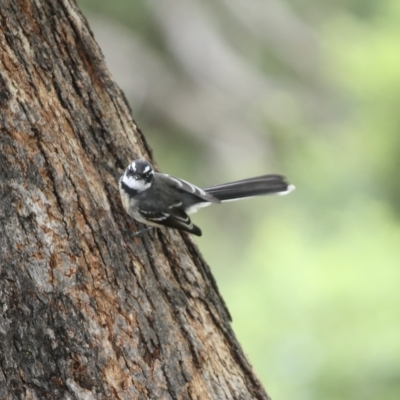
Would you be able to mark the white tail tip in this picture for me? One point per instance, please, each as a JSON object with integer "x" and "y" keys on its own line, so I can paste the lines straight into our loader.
{"x": 288, "y": 190}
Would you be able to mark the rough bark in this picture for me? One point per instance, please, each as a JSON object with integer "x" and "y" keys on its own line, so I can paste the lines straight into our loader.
{"x": 86, "y": 311}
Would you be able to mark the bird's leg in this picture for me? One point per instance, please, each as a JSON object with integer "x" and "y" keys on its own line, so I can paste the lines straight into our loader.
{"x": 141, "y": 231}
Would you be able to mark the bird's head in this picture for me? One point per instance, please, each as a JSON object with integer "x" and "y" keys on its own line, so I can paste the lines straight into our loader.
{"x": 138, "y": 176}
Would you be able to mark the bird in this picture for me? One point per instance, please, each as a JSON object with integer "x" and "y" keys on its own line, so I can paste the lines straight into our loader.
{"x": 157, "y": 199}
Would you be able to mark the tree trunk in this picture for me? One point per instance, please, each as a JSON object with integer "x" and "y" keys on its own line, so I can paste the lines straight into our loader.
{"x": 87, "y": 311}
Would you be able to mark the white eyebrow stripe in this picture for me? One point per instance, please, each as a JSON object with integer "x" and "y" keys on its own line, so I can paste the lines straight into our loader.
{"x": 147, "y": 169}
{"x": 133, "y": 166}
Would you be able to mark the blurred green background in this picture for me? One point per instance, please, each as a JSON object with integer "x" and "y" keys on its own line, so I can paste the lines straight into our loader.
{"x": 226, "y": 89}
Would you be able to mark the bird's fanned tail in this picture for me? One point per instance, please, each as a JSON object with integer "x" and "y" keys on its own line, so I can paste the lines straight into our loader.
{"x": 261, "y": 185}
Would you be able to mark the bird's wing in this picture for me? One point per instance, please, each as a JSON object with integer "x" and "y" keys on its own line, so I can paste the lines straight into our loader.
{"x": 173, "y": 218}
{"x": 191, "y": 189}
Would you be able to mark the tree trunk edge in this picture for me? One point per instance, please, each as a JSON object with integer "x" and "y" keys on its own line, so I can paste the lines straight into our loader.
{"x": 85, "y": 311}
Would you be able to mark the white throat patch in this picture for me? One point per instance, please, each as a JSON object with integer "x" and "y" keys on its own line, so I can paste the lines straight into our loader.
{"x": 138, "y": 185}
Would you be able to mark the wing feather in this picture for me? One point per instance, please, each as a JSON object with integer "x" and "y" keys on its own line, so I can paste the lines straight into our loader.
{"x": 175, "y": 218}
